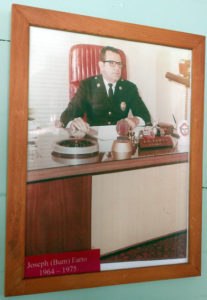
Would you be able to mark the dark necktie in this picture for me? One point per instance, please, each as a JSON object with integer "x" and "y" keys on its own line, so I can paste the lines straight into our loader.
{"x": 111, "y": 94}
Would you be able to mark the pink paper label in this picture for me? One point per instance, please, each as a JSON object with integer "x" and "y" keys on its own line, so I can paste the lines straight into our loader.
{"x": 62, "y": 263}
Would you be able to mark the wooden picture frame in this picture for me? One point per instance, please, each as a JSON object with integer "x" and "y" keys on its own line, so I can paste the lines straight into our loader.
{"x": 22, "y": 18}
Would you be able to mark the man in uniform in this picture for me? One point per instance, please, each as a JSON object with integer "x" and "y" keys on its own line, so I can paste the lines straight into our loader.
{"x": 106, "y": 98}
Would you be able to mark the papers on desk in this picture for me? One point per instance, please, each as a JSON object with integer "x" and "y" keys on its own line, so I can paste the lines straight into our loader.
{"x": 105, "y": 132}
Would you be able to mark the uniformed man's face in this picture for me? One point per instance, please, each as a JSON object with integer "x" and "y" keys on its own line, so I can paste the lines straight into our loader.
{"x": 111, "y": 67}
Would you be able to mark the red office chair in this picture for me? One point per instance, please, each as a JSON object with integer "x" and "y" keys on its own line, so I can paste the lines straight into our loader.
{"x": 83, "y": 62}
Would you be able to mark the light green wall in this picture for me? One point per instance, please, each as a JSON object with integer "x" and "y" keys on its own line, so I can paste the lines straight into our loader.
{"x": 181, "y": 15}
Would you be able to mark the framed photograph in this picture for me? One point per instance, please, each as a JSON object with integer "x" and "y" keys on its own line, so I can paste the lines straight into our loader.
{"x": 104, "y": 187}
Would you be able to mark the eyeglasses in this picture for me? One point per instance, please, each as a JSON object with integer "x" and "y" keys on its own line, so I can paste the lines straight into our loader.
{"x": 114, "y": 63}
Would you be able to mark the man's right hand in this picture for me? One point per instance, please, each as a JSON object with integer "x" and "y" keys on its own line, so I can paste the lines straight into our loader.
{"x": 79, "y": 128}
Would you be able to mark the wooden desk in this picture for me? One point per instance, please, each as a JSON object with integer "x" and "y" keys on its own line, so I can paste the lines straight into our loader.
{"x": 44, "y": 166}
{"x": 58, "y": 215}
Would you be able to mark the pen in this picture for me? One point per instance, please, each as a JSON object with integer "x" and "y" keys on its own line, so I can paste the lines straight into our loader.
{"x": 174, "y": 119}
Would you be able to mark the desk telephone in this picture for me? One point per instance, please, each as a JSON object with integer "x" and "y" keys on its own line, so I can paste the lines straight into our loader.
{"x": 155, "y": 137}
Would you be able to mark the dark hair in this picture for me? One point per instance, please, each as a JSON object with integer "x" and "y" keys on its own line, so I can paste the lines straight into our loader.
{"x": 107, "y": 48}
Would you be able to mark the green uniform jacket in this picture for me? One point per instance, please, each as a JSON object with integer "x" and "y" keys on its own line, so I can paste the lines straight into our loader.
{"x": 91, "y": 99}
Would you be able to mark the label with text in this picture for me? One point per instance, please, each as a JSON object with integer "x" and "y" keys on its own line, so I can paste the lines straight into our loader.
{"x": 62, "y": 263}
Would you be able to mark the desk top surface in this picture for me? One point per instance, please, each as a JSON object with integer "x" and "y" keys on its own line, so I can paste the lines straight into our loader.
{"x": 43, "y": 164}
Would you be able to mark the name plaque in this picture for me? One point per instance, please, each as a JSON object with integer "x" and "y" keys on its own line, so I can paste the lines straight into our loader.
{"x": 62, "y": 263}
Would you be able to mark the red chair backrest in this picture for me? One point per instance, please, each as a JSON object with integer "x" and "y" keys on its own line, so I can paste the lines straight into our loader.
{"x": 83, "y": 63}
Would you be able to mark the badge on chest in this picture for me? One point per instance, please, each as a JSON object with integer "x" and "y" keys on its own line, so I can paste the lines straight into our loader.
{"x": 123, "y": 106}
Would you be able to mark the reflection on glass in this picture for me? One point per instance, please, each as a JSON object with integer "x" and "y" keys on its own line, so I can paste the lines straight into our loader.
{"x": 130, "y": 209}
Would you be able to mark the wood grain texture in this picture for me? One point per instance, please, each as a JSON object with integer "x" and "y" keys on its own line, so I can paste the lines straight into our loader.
{"x": 116, "y": 165}
{"x": 196, "y": 154}
{"x": 22, "y": 18}
{"x": 17, "y": 151}
{"x": 91, "y": 25}
{"x": 58, "y": 216}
